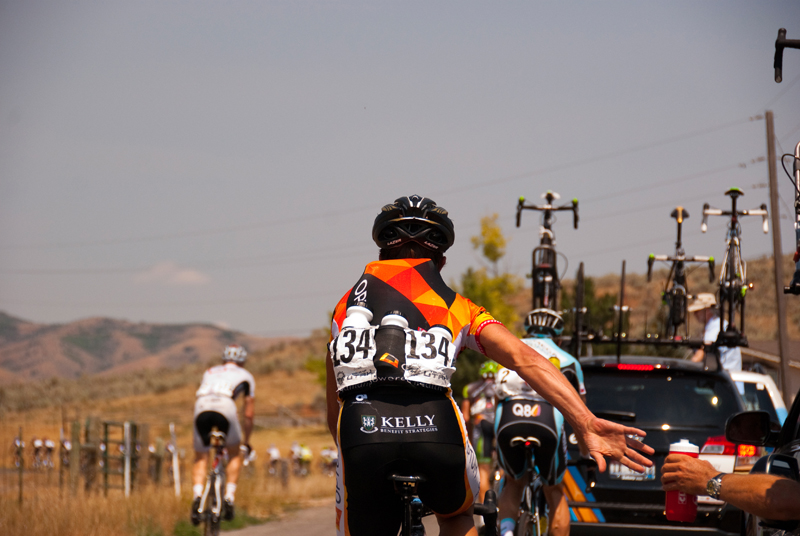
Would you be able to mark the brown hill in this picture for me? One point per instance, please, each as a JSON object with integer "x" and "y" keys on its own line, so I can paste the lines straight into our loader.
{"x": 30, "y": 351}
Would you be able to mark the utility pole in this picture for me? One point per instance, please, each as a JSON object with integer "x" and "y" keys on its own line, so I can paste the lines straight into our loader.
{"x": 777, "y": 255}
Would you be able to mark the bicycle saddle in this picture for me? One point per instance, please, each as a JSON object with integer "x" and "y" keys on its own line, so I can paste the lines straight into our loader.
{"x": 515, "y": 441}
{"x": 734, "y": 193}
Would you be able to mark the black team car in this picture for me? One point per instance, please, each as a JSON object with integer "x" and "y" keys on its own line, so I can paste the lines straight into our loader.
{"x": 670, "y": 399}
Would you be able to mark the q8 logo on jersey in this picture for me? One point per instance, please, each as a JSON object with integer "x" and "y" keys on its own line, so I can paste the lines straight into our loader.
{"x": 526, "y": 410}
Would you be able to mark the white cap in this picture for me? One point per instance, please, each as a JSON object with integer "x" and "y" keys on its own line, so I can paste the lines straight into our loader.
{"x": 704, "y": 300}
{"x": 684, "y": 446}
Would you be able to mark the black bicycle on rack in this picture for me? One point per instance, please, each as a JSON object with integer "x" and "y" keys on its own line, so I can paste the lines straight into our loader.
{"x": 545, "y": 274}
{"x": 414, "y": 510}
{"x": 675, "y": 293}
{"x": 794, "y": 285}
{"x": 733, "y": 284}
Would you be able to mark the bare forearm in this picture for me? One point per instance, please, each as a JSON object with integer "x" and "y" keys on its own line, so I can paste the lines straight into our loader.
{"x": 767, "y": 496}
{"x": 249, "y": 415}
{"x": 248, "y": 428}
{"x": 502, "y": 346}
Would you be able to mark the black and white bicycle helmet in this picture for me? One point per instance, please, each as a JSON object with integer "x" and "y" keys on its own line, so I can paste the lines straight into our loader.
{"x": 544, "y": 322}
{"x": 235, "y": 353}
{"x": 414, "y": 218}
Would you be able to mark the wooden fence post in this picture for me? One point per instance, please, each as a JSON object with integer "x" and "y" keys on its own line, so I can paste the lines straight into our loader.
{"x": 21, "y": 462}
{"x": 126, "y": 471}
{"x": 159, "y": 459}
{"x": 176, "y": 473}
{"x": 75, "y": 457}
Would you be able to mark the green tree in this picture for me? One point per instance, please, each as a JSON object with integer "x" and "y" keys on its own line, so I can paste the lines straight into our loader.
{"x": 491, "y": 288}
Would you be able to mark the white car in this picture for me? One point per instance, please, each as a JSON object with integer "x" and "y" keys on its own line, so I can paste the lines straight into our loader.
{"x": 759, "y": 392}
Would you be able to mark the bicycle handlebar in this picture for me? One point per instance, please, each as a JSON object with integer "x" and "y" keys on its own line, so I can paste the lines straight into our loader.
{"x": 549, "y": 207}
{"x": 667, "y": 258}
{"x": 708, "y": 211}
{"x": 780, "y": 43}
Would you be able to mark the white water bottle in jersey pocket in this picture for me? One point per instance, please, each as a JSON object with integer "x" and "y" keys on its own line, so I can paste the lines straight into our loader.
{"x": 358, "y": 316}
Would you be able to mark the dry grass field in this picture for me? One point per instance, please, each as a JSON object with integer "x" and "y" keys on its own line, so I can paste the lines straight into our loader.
{"x": 283, "y": 379}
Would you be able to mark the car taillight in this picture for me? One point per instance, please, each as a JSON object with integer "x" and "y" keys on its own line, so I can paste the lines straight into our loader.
{"x": 747, "y": 450}
{"x": 718, "y": 445}
{"x": 629, "y": 366}
{"x": 748, "y": 455}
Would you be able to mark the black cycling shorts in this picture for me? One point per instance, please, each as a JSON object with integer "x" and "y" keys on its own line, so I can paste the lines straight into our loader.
{"x": 404, "y": 431}
{"x": 205, "y": 421}
{"x": 528, "y": 417}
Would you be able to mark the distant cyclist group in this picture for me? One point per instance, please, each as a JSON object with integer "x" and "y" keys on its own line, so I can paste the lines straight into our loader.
{"x": 395, "y": 338}
{"x": 42, "y": 452}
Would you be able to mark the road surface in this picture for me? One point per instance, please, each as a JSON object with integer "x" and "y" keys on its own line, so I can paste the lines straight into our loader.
{"x": 314, "y": 521}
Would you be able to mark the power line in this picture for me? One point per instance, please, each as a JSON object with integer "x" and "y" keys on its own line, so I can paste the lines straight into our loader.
{"x": 660, "y": 204}
{"x": 226, "y": 264}
{"x": 740, "y": 165}
{"x": 598, "y": 158}
{"x": 306, "y": 218}
{"x": 278, "y": 259}
{"x": 188, "y": 234}
{"x": 257, "y": 299}
{"x": 782, "y": 92}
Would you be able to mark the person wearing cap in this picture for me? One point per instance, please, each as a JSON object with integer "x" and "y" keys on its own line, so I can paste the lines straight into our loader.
{"x": 704, "y": 309}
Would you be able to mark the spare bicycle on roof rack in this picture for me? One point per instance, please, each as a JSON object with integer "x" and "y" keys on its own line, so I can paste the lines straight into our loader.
{"x": 675, "y": 294}
{"x": 546, "y": 280}
{"x": 794, "y": 285}
{"x": 733, "y": 284}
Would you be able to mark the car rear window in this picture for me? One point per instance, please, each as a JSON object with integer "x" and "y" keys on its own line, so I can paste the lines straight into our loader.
{"x": 676, "y": 398}
{"x": 756, "y": 399}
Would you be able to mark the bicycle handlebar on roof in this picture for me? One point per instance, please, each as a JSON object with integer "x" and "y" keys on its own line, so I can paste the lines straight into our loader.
{"x": 735, "y": 193}
{"x": 679, "y": 214}
{"x": 780, "y": 43}
{"x": 794, "y": 285}
{"x": 548, "y": 209}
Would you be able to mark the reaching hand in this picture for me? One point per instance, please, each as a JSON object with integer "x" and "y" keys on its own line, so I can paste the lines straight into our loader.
{"x": 604, "y": 439}
{"x": 686, "y": 474}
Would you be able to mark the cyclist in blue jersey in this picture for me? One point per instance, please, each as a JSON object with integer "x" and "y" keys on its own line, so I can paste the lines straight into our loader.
{"x": 542, "y": 421}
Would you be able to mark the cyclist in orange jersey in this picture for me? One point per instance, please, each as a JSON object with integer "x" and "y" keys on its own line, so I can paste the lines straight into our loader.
{"x": 395, "y": 336}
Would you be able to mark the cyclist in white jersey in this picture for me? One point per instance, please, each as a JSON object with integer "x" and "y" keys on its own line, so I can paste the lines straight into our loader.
{"x": 216, "y": 407}
{"x": 512, "y": 392}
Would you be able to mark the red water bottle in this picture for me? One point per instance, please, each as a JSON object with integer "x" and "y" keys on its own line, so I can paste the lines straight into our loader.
{"x": 682, "y": 506}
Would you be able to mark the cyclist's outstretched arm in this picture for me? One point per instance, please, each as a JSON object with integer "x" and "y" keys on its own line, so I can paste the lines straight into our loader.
{"x": 602, "y": 438}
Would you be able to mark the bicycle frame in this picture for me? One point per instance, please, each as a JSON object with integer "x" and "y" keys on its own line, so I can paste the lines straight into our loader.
{"x": 675, "y": 294}
{"x": 214, "y": 484}
{"x": 414, "y": 510}
{"x": 530, "y": 516}
{"x": 546, "y": 282}
{"x": 733, "y": 283}
{"x": 794, "y": 286}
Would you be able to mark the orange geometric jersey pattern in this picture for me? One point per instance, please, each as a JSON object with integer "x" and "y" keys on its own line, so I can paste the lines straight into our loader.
{"x": 415, "y": 281}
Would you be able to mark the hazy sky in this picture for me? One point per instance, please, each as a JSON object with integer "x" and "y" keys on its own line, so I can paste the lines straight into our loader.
{"x": 212, "y": 161}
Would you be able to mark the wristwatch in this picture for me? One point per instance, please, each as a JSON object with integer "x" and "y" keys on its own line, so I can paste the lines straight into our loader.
{"x": 714, "y": 486}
